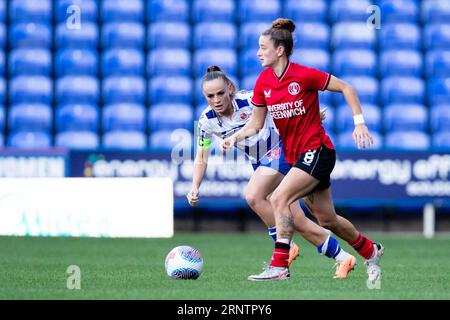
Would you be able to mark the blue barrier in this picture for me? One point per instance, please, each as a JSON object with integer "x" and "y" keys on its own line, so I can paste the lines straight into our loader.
{"x": 359, "y": 178}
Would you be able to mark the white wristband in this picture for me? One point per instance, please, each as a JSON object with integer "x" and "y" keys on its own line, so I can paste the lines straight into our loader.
{"x": 358, "y": 119}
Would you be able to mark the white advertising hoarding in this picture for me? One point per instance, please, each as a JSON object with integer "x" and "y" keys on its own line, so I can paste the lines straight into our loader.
{"x": 105, "y": 207}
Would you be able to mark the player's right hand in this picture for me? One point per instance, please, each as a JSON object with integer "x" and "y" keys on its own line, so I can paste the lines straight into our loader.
{"x": 228, "y": 143}
{"x": 192, "y": 197}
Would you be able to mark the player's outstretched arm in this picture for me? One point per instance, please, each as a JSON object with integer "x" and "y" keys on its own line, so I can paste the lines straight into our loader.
{"x": 200, "y": 165}
{"x": 361, "y": 134}
{"x": 251, "y": 128}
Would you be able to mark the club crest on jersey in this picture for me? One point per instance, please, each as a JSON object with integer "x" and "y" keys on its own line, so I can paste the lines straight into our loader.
{"x": 275, "y": 153}
{"x": 267, "y": 93}
{"x": 294, "y": 88}
{"x": 244, "y": 115}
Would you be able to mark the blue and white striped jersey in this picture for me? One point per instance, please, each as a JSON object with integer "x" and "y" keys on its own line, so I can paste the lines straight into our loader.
{"x": 255, "y": 147}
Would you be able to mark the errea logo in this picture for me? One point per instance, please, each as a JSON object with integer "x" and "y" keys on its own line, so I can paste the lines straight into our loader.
{"x": 294, "y": 88}
{"x": 267, "y": 93}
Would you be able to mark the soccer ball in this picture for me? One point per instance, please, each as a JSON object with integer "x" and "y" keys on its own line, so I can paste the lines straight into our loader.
{"x": 184, "y": 262}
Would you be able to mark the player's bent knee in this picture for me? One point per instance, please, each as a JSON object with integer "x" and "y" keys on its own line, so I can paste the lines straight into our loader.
{"x": 252, "y": 199}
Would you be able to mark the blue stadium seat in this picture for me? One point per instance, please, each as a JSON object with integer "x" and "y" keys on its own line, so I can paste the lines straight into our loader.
{"x": 372, "y": 117}
{"x": 29, "y": 140}
{"x": 437, "y": 36}
{"x": 437, "y": 11}
{"x": 77, "y": 140}
{"x": 118, "y": 89}
{"x": 325, "y": 97}
{"x": 30, "y": 62}
{"x": 401, "y": 62}
{"x": 169, "y": 35}
{"x": 77, "y": 89}
{"x": 2, "y": 63}
{"x": 314, "y": 58}
{"x": 122, "y": 11}
{"x": 312, "y": 35}
{"x": 399, "y": 10}
{"x": 168, "y": 139}
{"x": 30, "y": 11}
{"x": 249, "y": 62}
{"x": 30, "y": 116}
{"x": 330, "y": 117}
{"x": 2, "y": 35}
{"x": 437, "y": 63}
{"x": 248, "y": 82}
{"x": 2, "y": 118}
{"x": 76, "y": 62}
{"x": 403, "y": 116}
{"x": 349, "y": 10}
{"x": 440, "y": 117}
{"x": 169, "y": 62}
{"x": 345, "y": 140}
{"x": 170, "y": 116}
{"x": 397, "y": 89}
{"x": 438, "y": 91}
{"x": 2, "y": 11}
{"x": 354, "y": 62}
{"x": 83, "y": 38}
{"x": 170, "y": 89}
{"x": 123, "y": 62}
{"x": 366, "y": 87}
{"x": 213, "y": 10}
{"x": 352, "y": 35}
{"x": 123, "y": 35}
{"x": 124, "y": 116}
{"x": 441, "y": 139}
{"x": 31, "y": 89}
{"x": 74, "y": 117}
{"x": 124, "y": 140}
{"x": 200, "y": 98}
{"x": 168, "y": 10}
{"x": 215, "y": 35}
{"x": 2, "y": 90}
{"x": 261, "y": 10}
{"x": 306, "y": 10}
{"x": 400, "y": 36}
{"x": 249, "y": 33}
{"x": 225, "y": 58}
{"x": 199, "y": 110}
{"x": 30, "y": 35}
{"x": 88, "y": 10}
{"x": 407, "y": 140}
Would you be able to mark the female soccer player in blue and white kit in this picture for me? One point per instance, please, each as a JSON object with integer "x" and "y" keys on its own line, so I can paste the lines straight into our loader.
{"x": 227, "y": 112}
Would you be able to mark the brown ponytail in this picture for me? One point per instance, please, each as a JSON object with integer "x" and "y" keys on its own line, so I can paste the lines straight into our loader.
{"x": 281, "y": 34}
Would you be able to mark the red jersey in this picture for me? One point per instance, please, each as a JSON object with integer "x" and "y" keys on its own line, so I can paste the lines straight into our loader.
{"x": 293, "y": 102}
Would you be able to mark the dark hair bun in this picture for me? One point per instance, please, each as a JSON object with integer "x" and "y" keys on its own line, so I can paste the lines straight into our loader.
{"x": 213, "y": 69}
{"x": 282, "y": 23}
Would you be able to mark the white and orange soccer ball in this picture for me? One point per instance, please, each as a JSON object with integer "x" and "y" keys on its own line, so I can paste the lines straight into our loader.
{"x": 184, "y": 262}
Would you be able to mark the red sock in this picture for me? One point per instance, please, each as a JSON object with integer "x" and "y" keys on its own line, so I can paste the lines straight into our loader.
{"x": 280, "y": 255}
{"x": 363, "y": 245}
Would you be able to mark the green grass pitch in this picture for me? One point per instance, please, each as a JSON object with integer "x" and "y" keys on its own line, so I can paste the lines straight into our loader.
{"x": 36, "y": 268}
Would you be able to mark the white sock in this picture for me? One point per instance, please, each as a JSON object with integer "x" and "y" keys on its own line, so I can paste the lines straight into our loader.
{"x": 286, "y": 241}
{"x": 341, "y": 256}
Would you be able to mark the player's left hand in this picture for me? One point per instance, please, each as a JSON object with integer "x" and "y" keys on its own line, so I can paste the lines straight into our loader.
{"x": 362, "y": 137}
{"x": 227, "y": 143}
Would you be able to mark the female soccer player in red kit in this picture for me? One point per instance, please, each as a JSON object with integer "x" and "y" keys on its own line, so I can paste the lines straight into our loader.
{"x": 289, "y": 91}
